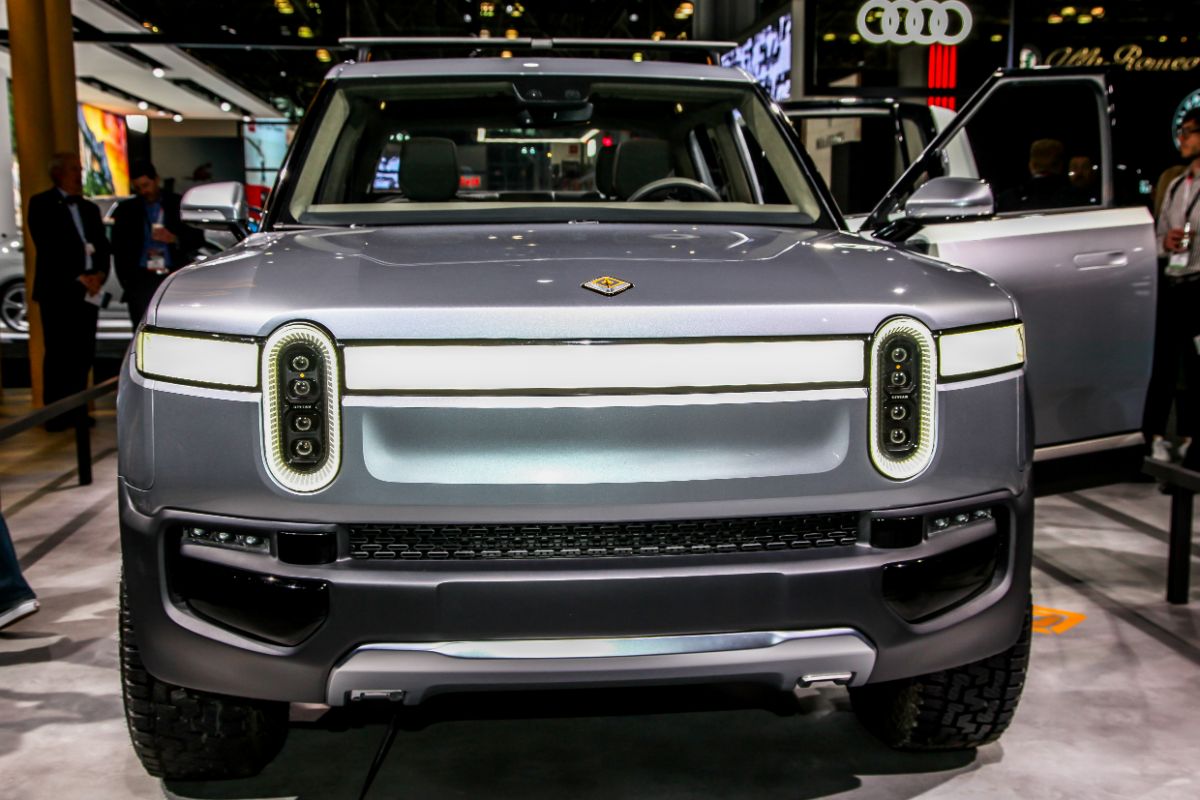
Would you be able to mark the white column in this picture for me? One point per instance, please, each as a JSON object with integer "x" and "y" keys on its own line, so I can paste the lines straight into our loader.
{"x": 8, "y": 219}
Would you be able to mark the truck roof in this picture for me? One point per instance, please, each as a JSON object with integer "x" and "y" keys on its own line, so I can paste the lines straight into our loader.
{"x": 525, "y": 65}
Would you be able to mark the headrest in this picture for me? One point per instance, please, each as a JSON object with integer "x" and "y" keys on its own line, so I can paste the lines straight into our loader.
{"x": 640, "y": 161}
{"x": 429, "y": 169}
{"x": 604, "y": 170}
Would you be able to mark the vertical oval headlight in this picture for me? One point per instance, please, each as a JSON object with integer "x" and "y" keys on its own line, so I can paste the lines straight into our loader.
{"x": 903, "y": 419}
{"x": 301, "y": 409}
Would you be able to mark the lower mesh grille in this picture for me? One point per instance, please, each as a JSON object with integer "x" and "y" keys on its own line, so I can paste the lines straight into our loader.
{"x": 615, "y": 540}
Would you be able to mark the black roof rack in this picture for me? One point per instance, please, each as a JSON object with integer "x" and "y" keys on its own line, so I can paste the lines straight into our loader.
{"x": 545, "y": 46}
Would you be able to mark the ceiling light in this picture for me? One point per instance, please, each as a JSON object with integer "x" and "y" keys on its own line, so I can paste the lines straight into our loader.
{"x": 158, "y": 72}
{"x": 143, "y": 105}
{"x": 633, "y": 17}
{"x": 177, "y": 117}
{"x": 246, "y": 118}
{"x": 225, "y": 106}
{"x": 324, "y": 56}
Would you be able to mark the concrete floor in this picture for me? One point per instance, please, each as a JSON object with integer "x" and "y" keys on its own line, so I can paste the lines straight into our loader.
{"x": 1110, "y": 709}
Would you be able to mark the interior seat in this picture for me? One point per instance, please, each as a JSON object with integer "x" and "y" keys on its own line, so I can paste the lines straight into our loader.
{"x": 429, "y": 169}
{"x": 605, "y": 161}
{"x": 638, "y": 162}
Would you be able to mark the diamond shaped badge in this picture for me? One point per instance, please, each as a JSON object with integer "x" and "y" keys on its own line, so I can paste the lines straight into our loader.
{"x": 607, "y": 285}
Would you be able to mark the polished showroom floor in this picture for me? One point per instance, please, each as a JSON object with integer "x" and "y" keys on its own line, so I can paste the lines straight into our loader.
{"x": 1111, "y": 709}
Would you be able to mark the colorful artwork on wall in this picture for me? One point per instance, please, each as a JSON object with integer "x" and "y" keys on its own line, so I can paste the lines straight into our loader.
{"x": 103, "y": 151}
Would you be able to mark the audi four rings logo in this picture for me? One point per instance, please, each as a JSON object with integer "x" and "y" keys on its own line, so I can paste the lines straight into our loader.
{"x": 914, "y": 22}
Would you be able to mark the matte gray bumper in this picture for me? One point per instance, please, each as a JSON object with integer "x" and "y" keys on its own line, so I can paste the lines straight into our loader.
{"x": 410, "y": 672}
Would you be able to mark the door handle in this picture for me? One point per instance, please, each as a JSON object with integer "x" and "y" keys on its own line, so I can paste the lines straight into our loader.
{"x": 1104, "y": 260}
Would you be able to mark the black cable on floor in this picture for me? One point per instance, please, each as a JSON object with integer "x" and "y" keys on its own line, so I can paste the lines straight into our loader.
{"x": 381, "y": 753}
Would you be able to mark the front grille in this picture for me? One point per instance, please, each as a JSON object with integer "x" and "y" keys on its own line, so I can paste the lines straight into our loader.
{"x": 608, "y": 540}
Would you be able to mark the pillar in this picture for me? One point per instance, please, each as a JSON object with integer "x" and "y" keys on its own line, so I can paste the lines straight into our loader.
{"x": 41, "y": 45}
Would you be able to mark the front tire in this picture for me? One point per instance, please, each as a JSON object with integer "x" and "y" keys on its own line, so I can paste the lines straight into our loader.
{"x": 955, "y": 709}
{"x": 184, "y": 734}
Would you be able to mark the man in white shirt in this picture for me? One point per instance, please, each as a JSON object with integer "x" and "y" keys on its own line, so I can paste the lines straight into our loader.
{"x": 1179, "y": 301}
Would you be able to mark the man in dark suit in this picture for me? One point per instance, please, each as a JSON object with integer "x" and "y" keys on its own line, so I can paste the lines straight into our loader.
{"x": 149, "y": 240}
{"x": 72, "y": 263}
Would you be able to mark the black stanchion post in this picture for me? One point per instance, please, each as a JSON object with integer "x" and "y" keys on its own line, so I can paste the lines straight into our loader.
{"x": 1179, "y": 559}
{"x": 83, "y": 449}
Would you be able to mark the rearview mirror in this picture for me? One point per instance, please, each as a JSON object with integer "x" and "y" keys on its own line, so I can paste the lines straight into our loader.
{"x": 545, "y": 116}
{"x": 217, "y": 206}
{"x": 950, "y": 199}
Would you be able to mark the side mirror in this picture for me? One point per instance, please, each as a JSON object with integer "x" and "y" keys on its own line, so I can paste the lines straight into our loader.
{"x": 217, "y": 206}
{"x": 950, "y": 198}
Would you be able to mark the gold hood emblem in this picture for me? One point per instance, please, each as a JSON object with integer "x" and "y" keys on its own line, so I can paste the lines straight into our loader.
{"x": 607, "y": 285}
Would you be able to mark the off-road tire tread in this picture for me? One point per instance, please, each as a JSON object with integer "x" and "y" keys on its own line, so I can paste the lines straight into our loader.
{"x": 184, "y": 734}
{"x": 954, "y": 709}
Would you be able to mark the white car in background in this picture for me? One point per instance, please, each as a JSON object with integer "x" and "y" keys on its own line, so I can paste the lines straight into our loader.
{"x": 114, "y": 319}
{"x": 1074, "y": 244}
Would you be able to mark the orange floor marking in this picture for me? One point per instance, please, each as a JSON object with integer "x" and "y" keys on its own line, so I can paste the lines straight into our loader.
{"x": 1054, "y": 620}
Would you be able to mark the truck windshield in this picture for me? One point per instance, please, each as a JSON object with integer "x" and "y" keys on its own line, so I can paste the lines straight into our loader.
{"x": 562, "y": 147}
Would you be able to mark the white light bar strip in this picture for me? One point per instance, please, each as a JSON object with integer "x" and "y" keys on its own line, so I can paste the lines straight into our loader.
{"x": 987, "y": 350}
{"x": 599, "y": 367}
{"x": 198, "y": 359}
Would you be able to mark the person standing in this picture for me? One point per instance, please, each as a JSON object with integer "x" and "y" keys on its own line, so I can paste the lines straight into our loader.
{"x": 1179, "y": 296}
{"x": 150, "y": 240}
{"x": 17, "y": 600}
{"x": 72, "y": 263}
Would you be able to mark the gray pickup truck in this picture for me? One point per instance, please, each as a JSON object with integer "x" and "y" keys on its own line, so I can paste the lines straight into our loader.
{"x": 549, "y": 371}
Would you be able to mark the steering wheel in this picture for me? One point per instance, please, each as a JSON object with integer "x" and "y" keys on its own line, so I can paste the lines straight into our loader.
{"x": 662, "y": 186}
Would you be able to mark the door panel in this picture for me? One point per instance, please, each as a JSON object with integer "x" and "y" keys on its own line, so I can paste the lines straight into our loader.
{"x": 1082, "y": 271}
{"x": 1089, "y": 328}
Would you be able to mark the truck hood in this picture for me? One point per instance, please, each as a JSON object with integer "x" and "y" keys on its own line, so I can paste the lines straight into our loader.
{"x": 524, "y": 282}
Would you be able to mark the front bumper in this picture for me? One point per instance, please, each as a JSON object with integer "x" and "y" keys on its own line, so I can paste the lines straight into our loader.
{"x": 389, "y": 627}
